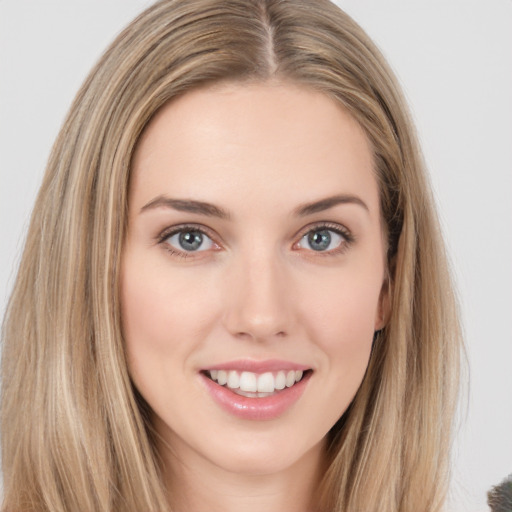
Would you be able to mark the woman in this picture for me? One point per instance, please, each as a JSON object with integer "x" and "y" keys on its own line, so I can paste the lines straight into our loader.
{"x": 233, "y": 291}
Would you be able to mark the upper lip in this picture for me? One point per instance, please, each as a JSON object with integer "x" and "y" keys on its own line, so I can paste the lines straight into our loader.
{"x": 255, "y": 366}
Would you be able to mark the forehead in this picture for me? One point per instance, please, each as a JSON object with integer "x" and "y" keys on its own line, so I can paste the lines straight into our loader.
{"x": 253, "y": 141}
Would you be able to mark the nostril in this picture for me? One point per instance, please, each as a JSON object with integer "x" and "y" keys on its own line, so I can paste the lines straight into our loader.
{"x": 259, "y": 335}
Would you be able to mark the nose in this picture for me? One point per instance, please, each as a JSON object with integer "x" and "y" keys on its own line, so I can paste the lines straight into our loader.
{"x": 259, "y": 304}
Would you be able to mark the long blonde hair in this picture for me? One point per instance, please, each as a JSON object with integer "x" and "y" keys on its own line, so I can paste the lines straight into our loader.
{"x": 75, "y": 434}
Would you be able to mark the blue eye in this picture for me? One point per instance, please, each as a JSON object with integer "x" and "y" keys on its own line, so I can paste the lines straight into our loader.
{"x": 190, "y": 240}
{"x": 321, "y": 240}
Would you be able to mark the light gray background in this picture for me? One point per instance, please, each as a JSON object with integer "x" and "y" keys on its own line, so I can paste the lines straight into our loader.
{"x": 454, "y": 59}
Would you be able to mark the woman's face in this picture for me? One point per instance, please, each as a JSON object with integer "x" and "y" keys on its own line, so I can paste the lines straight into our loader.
{"x": 253, "y": 270}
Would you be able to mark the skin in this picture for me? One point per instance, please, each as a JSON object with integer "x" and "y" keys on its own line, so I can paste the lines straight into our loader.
{"x": 256, "y": 290}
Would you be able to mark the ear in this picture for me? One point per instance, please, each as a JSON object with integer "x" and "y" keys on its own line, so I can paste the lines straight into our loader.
{"x": 384, "y": 306}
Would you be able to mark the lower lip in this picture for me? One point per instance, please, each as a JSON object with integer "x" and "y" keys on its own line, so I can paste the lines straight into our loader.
{"x": 265, "y": 408}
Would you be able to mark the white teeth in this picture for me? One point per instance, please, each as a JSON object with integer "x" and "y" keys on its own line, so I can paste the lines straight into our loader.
{"x": 290, "y": 379}
{"x": 266, "y": 383}
{"x": 233, "y": 380}
{"x": 248, "y": 383}
{"x": 222, "y": 377}
{"x": 280, "y": 380}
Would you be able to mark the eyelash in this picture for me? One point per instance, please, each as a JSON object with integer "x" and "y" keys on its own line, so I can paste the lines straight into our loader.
{"x": 348, "y": 237}
{"x": 166, "y": 234}
{"x": 322, "y": 226}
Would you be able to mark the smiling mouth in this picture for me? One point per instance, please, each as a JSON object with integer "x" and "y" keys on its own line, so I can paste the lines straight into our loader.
{"x": 256, "y": 385}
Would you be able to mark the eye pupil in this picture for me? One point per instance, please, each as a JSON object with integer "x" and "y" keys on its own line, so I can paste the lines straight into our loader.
{"x": 319, "y": 240}
{"x": 191, "y": 240}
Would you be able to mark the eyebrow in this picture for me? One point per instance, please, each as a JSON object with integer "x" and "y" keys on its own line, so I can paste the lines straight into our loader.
{"x": 186, "y": 205}
{"x": 210, "y": 210}
{"x": 329, "y": 202}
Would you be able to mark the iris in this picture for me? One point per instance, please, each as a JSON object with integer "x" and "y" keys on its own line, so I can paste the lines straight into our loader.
{"x": 319, "y": 240}
{"x": 190, "y": 240}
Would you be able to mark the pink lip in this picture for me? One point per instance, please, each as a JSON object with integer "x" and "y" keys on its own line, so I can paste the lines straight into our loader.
{"x": 249, "y": 365}
{"x": 265, "y": 408}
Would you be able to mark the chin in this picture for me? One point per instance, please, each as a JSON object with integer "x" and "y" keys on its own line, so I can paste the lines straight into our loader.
{"x": 261, "y": 456}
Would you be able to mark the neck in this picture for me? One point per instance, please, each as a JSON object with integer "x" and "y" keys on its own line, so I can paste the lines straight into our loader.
{"x": 199, "y": 486}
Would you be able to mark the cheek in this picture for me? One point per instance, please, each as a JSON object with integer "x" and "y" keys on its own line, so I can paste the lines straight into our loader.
{"x": 341, "y": 316}
{"x": 159, "y": 318}
{"x": 340, "y": 319}
{"x": 145, "y": 316}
